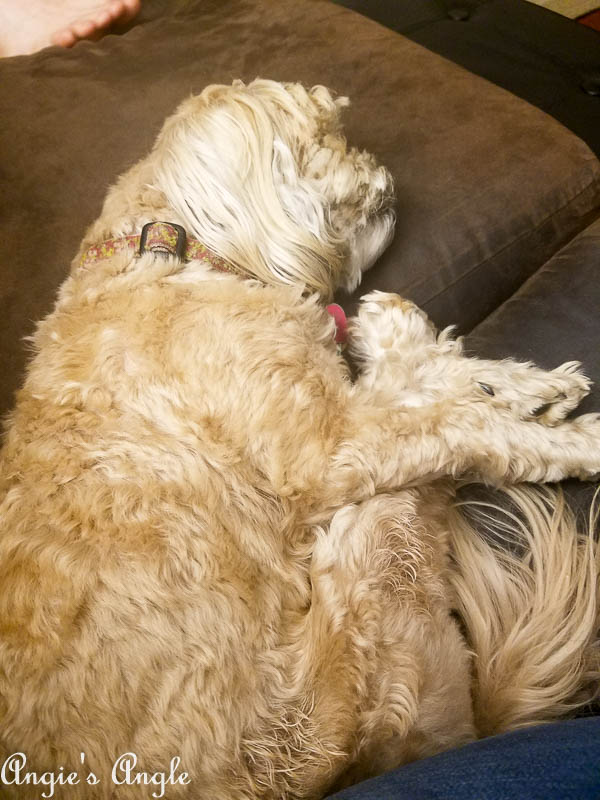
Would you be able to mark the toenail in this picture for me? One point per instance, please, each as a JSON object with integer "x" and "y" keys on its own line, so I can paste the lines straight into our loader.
{"x": 537, "y": 412}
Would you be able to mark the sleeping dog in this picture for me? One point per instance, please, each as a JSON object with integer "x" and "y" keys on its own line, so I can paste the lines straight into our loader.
{"x": 219, "y": 551}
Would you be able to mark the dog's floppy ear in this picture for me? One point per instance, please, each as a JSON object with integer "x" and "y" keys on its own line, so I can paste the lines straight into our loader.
{"x": 230, "y": 163}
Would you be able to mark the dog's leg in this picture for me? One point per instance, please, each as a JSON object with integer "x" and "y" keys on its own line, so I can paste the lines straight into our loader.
{"x": 396, "y": 341}
{"x": 355, "y": 701}
{"x": 424, "y": 410}
{"x": 378, "y": 580}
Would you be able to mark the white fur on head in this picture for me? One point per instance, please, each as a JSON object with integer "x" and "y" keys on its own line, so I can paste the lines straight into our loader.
{"x": 262, "y": 175}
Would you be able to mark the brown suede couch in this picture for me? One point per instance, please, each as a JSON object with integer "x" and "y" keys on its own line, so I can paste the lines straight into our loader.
{"x": 498, "y": 204}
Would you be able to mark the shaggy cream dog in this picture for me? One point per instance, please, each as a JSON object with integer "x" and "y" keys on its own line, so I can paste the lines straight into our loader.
{"x": 220, "y": 555}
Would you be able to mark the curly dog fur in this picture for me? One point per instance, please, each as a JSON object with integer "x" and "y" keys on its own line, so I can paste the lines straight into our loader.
{"x": 218, "y": 547}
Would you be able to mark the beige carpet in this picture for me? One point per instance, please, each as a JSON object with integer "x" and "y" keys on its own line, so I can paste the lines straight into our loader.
{"x": 569, "y": 8}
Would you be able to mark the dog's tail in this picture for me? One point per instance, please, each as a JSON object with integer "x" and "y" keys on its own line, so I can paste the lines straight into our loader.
{"x": 527, "y": 589}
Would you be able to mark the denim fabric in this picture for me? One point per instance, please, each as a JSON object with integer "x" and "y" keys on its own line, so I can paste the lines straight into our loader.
{"x": 560, "y": 761}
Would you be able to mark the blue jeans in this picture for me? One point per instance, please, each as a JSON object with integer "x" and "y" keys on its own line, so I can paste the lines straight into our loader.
{"x": 560, "y": 761}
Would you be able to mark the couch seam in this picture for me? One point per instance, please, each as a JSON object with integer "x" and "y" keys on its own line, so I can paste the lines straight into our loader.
{"x": 524, "y": 235}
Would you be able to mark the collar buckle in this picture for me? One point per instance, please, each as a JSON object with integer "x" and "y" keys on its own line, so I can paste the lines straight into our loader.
{"x": 163, "y": 239}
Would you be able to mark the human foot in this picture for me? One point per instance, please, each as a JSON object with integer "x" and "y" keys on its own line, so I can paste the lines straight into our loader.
{"x": 28, "y": 27}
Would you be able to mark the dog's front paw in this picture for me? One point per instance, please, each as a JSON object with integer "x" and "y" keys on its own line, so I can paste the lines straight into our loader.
{"x": 587, "y": 429}
{"x": 536, "y": 394}
{"x": 387, "y": 322}
{"x": 568, "y": 388}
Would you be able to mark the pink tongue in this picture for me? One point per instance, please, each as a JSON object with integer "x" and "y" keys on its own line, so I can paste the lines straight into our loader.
{"x": 341, "y": 323}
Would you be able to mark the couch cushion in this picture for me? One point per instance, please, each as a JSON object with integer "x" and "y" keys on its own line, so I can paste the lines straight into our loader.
{"x": 543, "y": 57}
{"x": 553, "y": 318}
{"x": 488, "y": 187}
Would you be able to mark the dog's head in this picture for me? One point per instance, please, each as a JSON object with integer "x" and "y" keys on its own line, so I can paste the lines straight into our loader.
{"x": 262, "y": 175}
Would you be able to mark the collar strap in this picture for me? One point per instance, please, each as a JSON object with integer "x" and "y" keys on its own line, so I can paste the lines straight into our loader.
{"x": 162, "y": 238}
{"x": 169, "y": 239}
